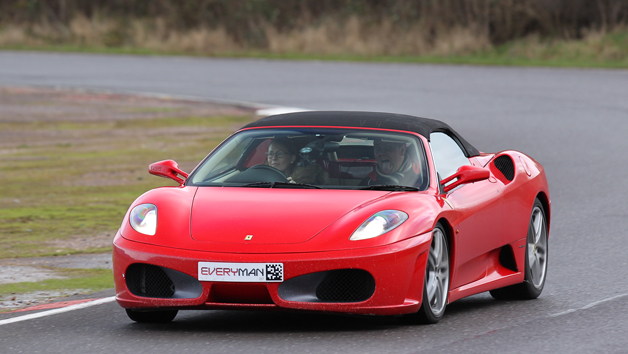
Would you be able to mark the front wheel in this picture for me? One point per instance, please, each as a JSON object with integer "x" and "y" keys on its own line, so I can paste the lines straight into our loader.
{"x": 436, "y": 282}
{"x": 535, "y": 261}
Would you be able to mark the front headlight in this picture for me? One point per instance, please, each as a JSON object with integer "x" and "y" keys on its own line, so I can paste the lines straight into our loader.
{"x": 143, "y": 219}
{"x": 379, "y": 224}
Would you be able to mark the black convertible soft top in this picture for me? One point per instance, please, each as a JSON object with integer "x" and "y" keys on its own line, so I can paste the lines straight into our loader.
{"x": 423, "y": 126}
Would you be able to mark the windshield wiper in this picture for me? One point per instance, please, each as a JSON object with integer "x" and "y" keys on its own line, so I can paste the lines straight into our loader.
{"x": 288, "y": 185}
{"x": 281, "y": 185}
{"x": 391, "y": 187}
{"x": 257, "y": 184}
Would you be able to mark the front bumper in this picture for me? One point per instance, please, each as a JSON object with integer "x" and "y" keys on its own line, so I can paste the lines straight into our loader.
{"x": 397, "y": 270}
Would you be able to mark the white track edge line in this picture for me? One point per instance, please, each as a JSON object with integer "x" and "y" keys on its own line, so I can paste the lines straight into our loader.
{"x": 261, "y": 109}
{"x": 585, "y": 307}
{"x": 57, "y": 311}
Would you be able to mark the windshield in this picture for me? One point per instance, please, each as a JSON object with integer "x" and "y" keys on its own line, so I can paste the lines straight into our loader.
{"x": 316, "y": 158}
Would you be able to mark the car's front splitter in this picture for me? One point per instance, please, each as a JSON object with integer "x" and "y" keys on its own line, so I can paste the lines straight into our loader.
{"x": 395, "y": 271}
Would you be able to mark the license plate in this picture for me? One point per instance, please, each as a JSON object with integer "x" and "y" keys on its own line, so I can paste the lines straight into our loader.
{"x": 240, "y": 272}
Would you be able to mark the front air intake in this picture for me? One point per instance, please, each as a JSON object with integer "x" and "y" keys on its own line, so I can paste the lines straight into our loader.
{"x": 339, "y": 285}
{"x": 149, "y": 281}
{"x": 346, "y": 285}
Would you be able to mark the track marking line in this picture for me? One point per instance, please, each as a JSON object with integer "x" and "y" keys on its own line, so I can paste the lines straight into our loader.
{"x": 593, "y": 304}
{"x": 261, "y": 109}
{"x": 57, "y": 311}
{"x": 52, "y": 305}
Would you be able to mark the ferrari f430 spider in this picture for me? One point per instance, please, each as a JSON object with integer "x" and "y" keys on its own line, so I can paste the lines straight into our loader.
{"x": 340, "y": 212}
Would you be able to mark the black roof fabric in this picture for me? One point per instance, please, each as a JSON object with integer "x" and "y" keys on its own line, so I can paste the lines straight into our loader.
{"x": 423, "y": 126}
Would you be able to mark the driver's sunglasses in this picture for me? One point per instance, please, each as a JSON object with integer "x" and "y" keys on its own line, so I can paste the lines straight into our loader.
{"x": 278, "y": 154}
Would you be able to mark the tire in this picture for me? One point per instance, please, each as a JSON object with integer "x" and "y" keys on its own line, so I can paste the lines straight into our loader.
{"x": 536, "y": 258}
{"x": 436, "y": 281}
{"x": 152, "y": 316}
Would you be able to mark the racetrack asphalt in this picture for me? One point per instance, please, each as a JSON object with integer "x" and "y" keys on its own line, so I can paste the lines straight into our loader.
{"x": 573, "y": 121}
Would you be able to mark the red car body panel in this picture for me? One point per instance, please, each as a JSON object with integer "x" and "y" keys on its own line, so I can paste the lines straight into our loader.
{"x": 300, "y": 228}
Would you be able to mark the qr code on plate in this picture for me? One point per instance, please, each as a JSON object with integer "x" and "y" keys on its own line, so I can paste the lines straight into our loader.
{"x": 274, "y": 272}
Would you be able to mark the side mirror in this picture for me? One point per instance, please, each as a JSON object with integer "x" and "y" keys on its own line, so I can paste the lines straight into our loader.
{"x": 168, "y": 169}
{"x": 465, "y": 174}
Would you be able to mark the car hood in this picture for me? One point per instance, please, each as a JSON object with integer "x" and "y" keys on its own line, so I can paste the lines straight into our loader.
{"x": 269, "y": 215}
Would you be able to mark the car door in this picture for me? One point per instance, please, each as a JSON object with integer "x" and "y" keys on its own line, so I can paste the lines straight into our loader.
{"x": 476, "y": 208}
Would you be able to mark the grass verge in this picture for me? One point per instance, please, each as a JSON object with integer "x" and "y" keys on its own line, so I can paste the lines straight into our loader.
{"x": 85, "y": 280}
{"x": 596, "y": 50}
{"x": 71, "y": 163}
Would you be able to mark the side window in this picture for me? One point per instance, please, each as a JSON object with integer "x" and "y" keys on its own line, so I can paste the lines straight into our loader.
{"x": 447, "y": 154}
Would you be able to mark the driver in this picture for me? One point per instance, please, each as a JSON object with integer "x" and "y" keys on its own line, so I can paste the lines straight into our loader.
{"x": 282, "y": 156}
{"x": 394, "y": 166}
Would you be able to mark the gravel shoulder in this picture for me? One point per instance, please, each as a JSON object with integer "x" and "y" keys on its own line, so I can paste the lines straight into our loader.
{"x": 15, "y": 270}
{"x": 78, "y": 261}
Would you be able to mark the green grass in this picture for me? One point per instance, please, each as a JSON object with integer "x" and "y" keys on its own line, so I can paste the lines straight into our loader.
{"x": 91, "y": 280}
{"x": 68, "y": 179}
{"x": 524, "y": 52}
{"x": 55, "y": 194}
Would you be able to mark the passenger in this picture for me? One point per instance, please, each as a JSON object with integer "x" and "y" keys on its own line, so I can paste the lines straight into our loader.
{"x": 283, "y": 155}
{"x": 393, "y": 165}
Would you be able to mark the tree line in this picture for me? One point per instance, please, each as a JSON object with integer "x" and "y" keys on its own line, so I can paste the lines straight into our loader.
{"x": 244, "y": 20}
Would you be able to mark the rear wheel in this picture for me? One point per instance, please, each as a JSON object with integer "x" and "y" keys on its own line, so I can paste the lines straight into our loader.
{"x": 436, "y": 283}
{"x": 535, "y": 261}
{"x": 152, "y": 316}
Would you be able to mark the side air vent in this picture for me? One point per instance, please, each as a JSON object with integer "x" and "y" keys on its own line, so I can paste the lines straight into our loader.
{"x": 507, "y": 258}
{"x": 149, "y": 281}
{"x": 505, "y": 165}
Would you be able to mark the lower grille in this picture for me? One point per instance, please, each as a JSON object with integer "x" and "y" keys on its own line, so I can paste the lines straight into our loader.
{"x": 346, "y": 285}
{"x": 149, "y": 281}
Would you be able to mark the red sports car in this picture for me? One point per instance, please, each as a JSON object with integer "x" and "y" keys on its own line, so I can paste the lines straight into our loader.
{"x": 345, "y": 212}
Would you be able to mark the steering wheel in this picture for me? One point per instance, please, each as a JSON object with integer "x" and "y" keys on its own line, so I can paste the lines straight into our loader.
{"x": 259, "y": 173}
